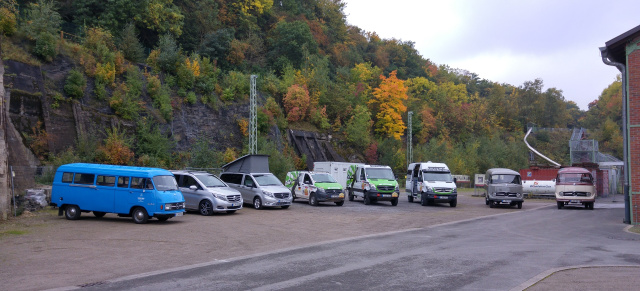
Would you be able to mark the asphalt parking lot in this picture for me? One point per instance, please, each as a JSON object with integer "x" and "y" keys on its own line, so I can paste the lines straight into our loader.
{"x": 54, "y": 252}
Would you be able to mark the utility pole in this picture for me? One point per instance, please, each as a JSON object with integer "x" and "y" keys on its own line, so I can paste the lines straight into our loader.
{"x": 409, "y": 138}
{"x": 253, "y": 118}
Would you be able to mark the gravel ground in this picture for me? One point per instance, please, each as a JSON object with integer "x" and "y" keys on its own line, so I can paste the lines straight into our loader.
{"x": 42, "y": 250}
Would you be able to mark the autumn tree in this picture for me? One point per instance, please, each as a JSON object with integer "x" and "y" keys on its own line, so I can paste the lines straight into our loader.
{"x": 388, "y": 106}
{"x": 116, "y": 149}
{"x": 296, "y": 102}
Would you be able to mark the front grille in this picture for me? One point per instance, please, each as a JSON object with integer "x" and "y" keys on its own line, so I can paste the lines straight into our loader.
{"x": 174, "y": 206}
{"x": 443, "y": 190}
{"x": 506, "y": 194}
{"x": 582, "y": 194}
{"x": 234, "y": 198}
{"x": 333, "y": 192}
{"x": 281, "y": 195}
{"x": 386, "y": 188}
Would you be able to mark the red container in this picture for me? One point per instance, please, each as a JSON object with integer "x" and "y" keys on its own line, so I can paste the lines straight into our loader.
{"x": 539, "y": 173}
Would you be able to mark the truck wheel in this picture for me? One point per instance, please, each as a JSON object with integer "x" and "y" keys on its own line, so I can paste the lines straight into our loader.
{"x": 350, "y": 195}
{"x": 72, "y": 212}
{"x": 486, "y": 200}
{"x": 519, "y": 205}
{"x": 423, "y": 200}
{"x": 410, "y": 198}
{"x": 560, "y": 204}
{"x": 394, "y": 202}
{"x": 453, "y": 203}
{"x": 367, "y": 200}
{"x": 492, "y": 204}
{"x": 313, "y": 201}
{"x": 139, "y": 215}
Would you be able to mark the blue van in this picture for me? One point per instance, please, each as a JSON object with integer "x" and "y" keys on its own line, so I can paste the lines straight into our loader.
{"x": 135, "y": 192}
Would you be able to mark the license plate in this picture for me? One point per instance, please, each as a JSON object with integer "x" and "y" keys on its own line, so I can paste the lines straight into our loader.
{"x": 335, "y": 196}
{"x": 386, "y": 195}
{"x": 442, "y": 197}
{"x": 179, "y": 214}
{"x": 574, "y": 201}
{"x": 506, "y": 201}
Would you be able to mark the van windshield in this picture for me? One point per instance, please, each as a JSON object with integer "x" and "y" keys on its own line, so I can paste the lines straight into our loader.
{"x": 210, "y": 181}
{"x": 575, "y": 178}
{"x": 437, "y": 176}
{"x": 165, "y": 183}
{"x": 323, "y": 178}
{"x": 505, "y": 179}
{"x": 267, "y": 180}
{"x": 381, "y": 173}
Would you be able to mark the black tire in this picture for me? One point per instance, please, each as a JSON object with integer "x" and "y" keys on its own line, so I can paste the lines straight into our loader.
{"x": 231, "y": 211}
{"x": 560, "y": 204}
{"x": 486, "y": 200}
{"x": 367, "y": 200}
{"x": 519, "y": 205}
{"x": 205, "y": 207}
{"x": 350, "y": 195}
{"x": 410, "y": 198}
{"x": 394, "y": 202}
{"x": 313, "y": 201}
{"x": 492, "y": 204}
{"x": 99, "y": 214}
{"x": 163, "y": 218}
{"x": 340, "y": 203}
{"x": 285, "y": 206}
{"x": 72, "y": 212}
{"x": 590, "y": 205}
{"x": 423, "y": 200}
{"x": 139, "y": 215}
{"x": 453, "y": 203}
{"x": 257, "y": 203}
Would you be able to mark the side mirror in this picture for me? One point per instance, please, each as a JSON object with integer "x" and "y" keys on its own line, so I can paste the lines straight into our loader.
{"x": 455, "y": 180}
{"x": 193, "y": 188}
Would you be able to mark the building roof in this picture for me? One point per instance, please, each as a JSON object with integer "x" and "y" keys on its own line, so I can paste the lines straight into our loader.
{"x": 616, "y": 46}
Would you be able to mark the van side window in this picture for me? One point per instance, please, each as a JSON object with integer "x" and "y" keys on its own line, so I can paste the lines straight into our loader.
{"x": 232, "y": 178}
{"x": 67, "y": 177}
{"x": 106, "y": 181}
{"x": 187, "y": 181}
{"x": 148, "y": 184}
{"x": 137, "y": 183}
{"x": 248, "y": 181}
{"x": 362, "y": 177}
{"x": 123, "y": 182}
{"x": 86, "y": 179}
{"x": 307, "y": 179}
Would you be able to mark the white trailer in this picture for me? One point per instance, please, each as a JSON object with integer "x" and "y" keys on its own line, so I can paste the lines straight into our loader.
{"x": 339, "y": 170}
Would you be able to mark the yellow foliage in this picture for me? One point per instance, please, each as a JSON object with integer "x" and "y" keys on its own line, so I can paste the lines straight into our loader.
{"x": 244, "y": 126}
{"x": 229, "y": 155}
{"x": 193, "y": 66}
{"x": 152, "y": 59}
{"x": 106, "y": 73}
{"x": 387, "y": 104}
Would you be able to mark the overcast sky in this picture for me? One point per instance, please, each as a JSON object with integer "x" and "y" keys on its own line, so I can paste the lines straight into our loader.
{"x": 509, "y": 41}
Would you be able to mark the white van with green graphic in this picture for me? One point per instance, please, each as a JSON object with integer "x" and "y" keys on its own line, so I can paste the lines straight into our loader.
{"x": 314, "y": 187}
{"x": 372, "y": 184}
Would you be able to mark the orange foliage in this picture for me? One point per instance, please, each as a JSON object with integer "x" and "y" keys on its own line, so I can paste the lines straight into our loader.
{"x": 244, "y": 126}
{"x": 236, "y": 54}
{"x": 296, "y": 102}
{"x": 115, "y": 150}
{"x": 387, "y": 104}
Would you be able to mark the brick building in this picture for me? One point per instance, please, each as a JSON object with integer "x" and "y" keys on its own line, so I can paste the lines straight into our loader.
{"x": 623, "y": 52}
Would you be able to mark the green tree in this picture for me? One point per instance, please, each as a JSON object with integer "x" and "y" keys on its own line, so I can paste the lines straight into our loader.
{"x": 290, "y": 42}
{"x": 358, "y": 129}
{"x": 75, "y": 84}
{"x": 129, "y": 43}
{"x": 41, "y": 18}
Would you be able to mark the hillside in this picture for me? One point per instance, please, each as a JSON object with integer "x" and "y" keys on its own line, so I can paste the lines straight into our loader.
{"x": 166, "y": 83}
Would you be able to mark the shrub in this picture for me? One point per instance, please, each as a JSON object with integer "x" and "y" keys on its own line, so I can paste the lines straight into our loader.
{"x": 100, "y": 91}
{"x": 75, "y": 84}
{"x": 124, "y": 103}
{"x": 169, "y": 53}
{"x": 160, "y": 95}
{"x": 100, "y": 41}
{"x": 41, "y": 18}
{"x": 45, "y": 46}
{"x": 191, "y": 97}
{"x": 130, "y": 45}
{"x": 7, "y": 22}
{"x": 105, "y": 73}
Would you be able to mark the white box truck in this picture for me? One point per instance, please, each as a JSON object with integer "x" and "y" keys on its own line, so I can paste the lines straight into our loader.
{"x": 339, "y": 170}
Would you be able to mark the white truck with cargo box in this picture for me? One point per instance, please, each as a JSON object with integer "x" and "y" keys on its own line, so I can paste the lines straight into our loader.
{"x": 430, "y": 183}
{"x": 339, "y": 170}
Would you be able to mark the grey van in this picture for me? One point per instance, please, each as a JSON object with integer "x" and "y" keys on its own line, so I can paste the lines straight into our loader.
{"x": 206, "y": 193}
{"x": 503, "y": 187}
{"x": 250, "y": 175}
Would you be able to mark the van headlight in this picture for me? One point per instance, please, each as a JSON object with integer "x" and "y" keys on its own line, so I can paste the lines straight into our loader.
{"x": 220, "y": 196}
{"x": 267, "y": 193}
{"x": 397, "y": 188}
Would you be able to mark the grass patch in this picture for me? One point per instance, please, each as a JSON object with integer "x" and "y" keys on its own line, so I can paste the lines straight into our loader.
{"x": 13, "y": 232}
{"x": 635, "y": 229}
{"x": 11, "y": 51}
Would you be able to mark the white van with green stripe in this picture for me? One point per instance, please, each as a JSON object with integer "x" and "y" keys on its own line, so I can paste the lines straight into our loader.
{"x": 373, "y": 183}
{"x": 431, "y": 183}
{"x": 314, "y": 187}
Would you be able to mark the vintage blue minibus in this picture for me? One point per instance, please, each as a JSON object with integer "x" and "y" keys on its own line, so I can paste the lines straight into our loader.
{"x": 135, "y": 192}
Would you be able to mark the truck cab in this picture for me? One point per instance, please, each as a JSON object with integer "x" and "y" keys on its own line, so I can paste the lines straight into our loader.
{"x": 373, "y": 183}
{"x": 430, "y": 183}
{"x": 314, "y": 187}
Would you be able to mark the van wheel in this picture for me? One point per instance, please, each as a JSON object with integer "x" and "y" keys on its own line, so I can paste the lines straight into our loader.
{"x": 519, "y": 205}
{"x": 492, "y": 204}
{"x": 560, "y": 204}
{"x": 453, "y": 203}
{"x": 206, "y": 208}
{"x": 394, "y": 202}
{"x": 410, "y": 198}
{"x": 140, "y": 215}
{"x": 72, "y": 212}
{"x": 486, "y": 200}
{"x": 423, "y": 200}
{"x": 99, "y": 214}
{"x": 340, "y": 203}
{"x": 367, "y": 200}
{"x": 350, "y": 195}
{"x": 313, "y": 201}
{"x": 257, "y": 203}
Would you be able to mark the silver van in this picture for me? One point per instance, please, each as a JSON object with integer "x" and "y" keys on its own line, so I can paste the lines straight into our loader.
{"x": 206, "y": 193}
{"x": 503, "y": 187}
{"x": 250, "y": 175}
